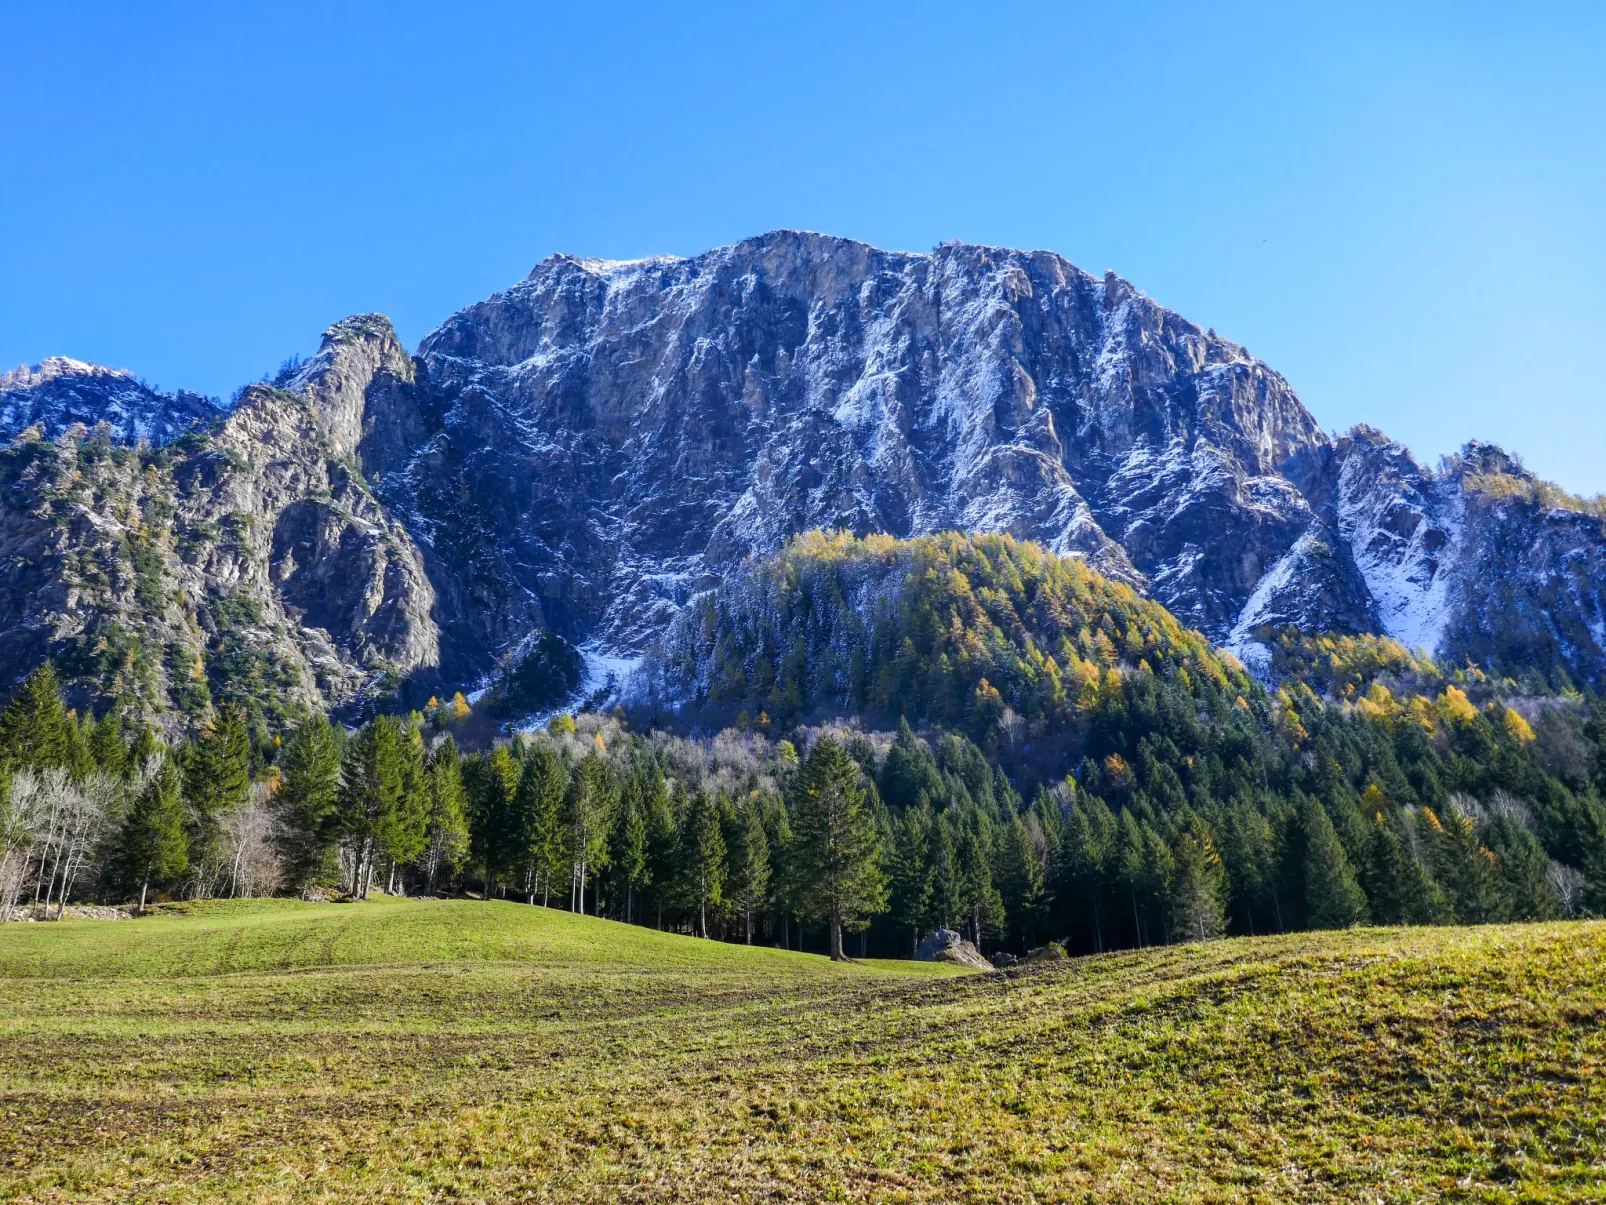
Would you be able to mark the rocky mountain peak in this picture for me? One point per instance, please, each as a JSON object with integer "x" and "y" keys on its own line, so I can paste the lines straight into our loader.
{"x": 59, "y": 392}
{"x": 352, "y": 354}
{"x": 590, "y": 449}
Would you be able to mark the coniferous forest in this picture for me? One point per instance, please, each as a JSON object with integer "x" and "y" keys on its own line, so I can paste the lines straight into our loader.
{"x": 872, "y": 739}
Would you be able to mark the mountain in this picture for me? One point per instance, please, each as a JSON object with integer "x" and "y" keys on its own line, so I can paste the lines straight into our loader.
{"x": 58, "y": 392}
{"x": 956, "y": 630}
{"x": 593, "y": 448}
{"x": 249, "y": 561}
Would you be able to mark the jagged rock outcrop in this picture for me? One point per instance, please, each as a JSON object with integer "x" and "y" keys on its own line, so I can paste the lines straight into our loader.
{"x": 630, "y": 432}
{"x": 250, "y": 562}
{"x": 58, "y": 392}
{"x": 588, "y": 450}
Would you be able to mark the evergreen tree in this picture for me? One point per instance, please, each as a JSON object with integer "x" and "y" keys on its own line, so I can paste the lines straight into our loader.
{"x": 106, "y": 745}
{"x": 34, "y": 728}
{"x": 839, "y": 877}
{"x": 446, "y": 834}
{"x": 1198, "y": 887}
{"x": 1463, "y": 866}
{"x": 1399, "y": 889}
{"x": 702, "y": 860}
{"x": 663, "y": 842}
{"x": 309, "y": 791}
{"x": 911, "y": 880}
{"x": 982, "y": 906}
{"x": 947, "y": 884}
{"x": 588, "y": 808}
{"x": 491, "y": 781}
{"x": 154, "y": 846}
{"x": 1085, "y": 849}
{"x": 1021, "y": 884}
{"x": 403, "y": 835}
{"x": 1523, "y": 871}
{"x": 1333, "y": 899}
{"x": 373, "y": 795}
{"x": 630, "y": 847}
{"x": 538, "y": 805}
{"x": 217, "y": 782}
{"x": 749, "y": 875}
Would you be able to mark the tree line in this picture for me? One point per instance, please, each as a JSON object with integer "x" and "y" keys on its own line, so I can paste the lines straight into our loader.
{"x": 1179, "y": 821}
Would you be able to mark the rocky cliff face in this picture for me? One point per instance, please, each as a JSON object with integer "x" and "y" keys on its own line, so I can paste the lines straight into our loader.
{"x": 250, "y": 562}
{"x": 589, "y": 449}
{"x": 59, "y": 392}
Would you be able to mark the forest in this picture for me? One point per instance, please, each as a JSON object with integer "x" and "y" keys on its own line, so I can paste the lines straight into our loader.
{"x": 1129, "y": 787}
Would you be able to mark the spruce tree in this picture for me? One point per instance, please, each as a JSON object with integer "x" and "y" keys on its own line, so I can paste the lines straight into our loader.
{"x": 911, "y": 878}
{"x": 1198, "y": 887}
{"x": 447, "y": 839}
{"x": 749, "y": 875}
{"x": 491, "y": 780}
{"x": 588, "y": 807}
{"x": 372, "y": 787}
{"x": 154, "y": 846}
{"x": 309, "y": 791}
{"x": 837, "y": 855}
{"x": 702, "y": 860}
{"x": 106, "y": 745}
{"x": 1399, "y": 889}
{"x": 1021, "y": 884}
{"x": 538, "y": 806}
{"x": 217, "y": 781}
{"x": 630, "y": 860}
{"x": 1333, "y": 899}
{"x": 34, "y": 725}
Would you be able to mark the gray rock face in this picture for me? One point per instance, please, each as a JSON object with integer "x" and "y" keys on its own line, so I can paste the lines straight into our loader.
{"x": 251, "y": 563}
{"x": 59, "y": 392}
{"x": 587, "y": 450}
{"x": 628, "y": 433}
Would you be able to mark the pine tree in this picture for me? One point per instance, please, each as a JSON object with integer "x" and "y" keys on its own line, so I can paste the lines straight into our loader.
{"x": 1333, "y": 899}
{"x": 836, "y": 849}
{"x": 154, "y": 846}
{"x": 588, "y": 808}
{"x": 309, "y": 791}
{"x": 538, "y": 806}
{"x": 34, "y": 725}
{"x": 749, "y": 875}
{"x": 447, "y": 830}
{"x": 217, "y": 782}
{"x": 911, "y": 879}
{"x": 702, "y": 860}
{"x": 1198, "y": 887}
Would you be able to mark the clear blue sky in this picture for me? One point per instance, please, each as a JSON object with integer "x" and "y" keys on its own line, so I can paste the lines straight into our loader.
{"x": 1401, "y": 207}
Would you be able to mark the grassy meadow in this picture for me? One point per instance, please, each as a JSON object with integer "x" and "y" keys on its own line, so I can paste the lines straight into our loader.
{"x": 465, "y": 1051}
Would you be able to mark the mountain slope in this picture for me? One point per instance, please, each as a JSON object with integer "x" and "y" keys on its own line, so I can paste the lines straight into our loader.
{"x": 589, "y": 450}
{"x": 952, "y": 629}
{"x": 59, "y": 392}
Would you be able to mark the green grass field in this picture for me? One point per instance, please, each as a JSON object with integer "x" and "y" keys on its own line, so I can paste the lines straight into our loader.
{"x": 464, "y": 1051}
